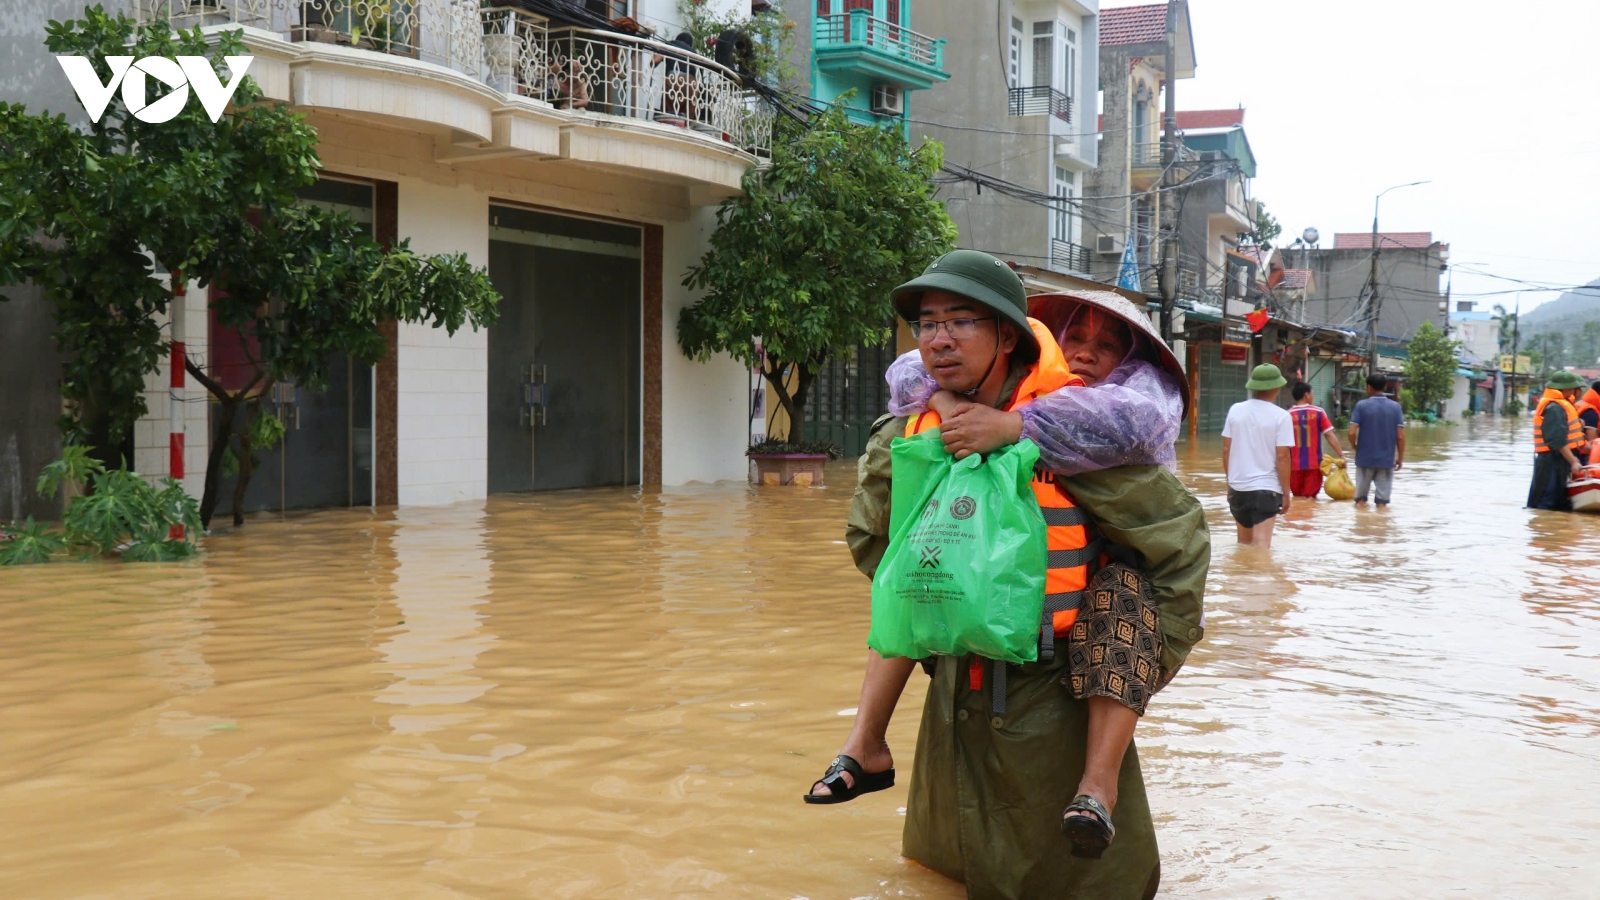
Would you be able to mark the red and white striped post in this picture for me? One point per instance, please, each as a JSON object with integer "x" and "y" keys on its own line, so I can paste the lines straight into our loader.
{"x": 175, "y": 318}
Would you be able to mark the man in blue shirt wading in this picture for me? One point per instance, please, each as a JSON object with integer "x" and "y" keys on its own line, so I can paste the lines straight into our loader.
{"x": 1378, "y": 434}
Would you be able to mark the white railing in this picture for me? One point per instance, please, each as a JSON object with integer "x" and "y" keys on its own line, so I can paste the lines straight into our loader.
{"x": 514, "y": 52}
{"x": 444, "y": 32}
{"x": 620, "y": 75}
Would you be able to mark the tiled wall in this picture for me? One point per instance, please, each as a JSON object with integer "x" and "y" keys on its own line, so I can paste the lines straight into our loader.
{"x": 150, "y": 442}
{"x": 442, "y": 451}
{"x": 705, "y": 414}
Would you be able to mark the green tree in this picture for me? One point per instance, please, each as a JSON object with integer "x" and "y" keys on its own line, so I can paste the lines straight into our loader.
{"x": 99, "y": 214}
{"x": 801, "y": 265}
{"x": 1430, "y": 367}
{"x": 1588, "y": 343}
{"x": 1266, "y": 228}
{"x": 1508, "y": 327}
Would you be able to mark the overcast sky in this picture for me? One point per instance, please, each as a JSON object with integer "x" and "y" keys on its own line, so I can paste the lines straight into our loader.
{"x": 1494, "y": 103}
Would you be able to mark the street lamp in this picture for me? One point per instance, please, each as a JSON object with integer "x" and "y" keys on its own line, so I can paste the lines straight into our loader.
{"x": 1373, "y": 306}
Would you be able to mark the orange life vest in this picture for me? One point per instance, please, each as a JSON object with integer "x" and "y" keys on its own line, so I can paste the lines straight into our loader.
{"x": 1066, "y": 534}
{"x": 1574, "y": 426}
{"x": 1590, "y": 400}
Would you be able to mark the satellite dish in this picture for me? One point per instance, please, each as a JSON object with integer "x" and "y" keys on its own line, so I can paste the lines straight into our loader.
{"x": 1310, "y": 235}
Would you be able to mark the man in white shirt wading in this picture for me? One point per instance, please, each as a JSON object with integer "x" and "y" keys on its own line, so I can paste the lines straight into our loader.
{"x": 1256, "y": 441}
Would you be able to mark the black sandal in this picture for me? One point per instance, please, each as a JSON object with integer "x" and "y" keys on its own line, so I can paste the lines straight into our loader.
{"x": 1090, "y": 834}
{"x": 840, "y": 791}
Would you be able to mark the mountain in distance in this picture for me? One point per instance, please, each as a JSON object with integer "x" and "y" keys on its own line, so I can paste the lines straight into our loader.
{"x": 1570, "y": 310}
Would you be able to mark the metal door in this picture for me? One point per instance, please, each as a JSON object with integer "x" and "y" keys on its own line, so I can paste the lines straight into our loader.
{"x": 1221, "y": 386}
{"x": 325, "y": 458}
{"x": 847, "y": 396}
{"x": 564, "y": 357}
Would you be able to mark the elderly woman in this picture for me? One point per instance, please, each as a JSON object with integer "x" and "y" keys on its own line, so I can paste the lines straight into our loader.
{"x": 1127, "y": 415}
{"x": 1130, "y": 418}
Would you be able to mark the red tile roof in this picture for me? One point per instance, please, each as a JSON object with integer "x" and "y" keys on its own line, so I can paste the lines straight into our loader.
{"x": 1295, "y": 279}
{"x": 1133, "y": 25}
{"x": 1362, "y": 240}
{"x": 1209, "y": 118}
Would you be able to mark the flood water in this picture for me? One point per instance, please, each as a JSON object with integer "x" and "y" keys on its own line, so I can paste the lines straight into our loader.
{"x": 612, "y": 695}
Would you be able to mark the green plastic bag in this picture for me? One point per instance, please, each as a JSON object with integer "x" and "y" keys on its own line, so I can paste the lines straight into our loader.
{"x": 965, "y": 568}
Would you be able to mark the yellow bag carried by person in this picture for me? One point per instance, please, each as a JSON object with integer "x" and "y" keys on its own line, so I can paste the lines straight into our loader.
{"x": 1336, "y": 481}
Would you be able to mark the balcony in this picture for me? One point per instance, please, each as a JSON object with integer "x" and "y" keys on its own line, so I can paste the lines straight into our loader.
{"x": 608, "y": 74}
{"x": 861, "y": 44}
{"x": 1069, "y": 257}
{"x": 492, "y": 82}
{"x": 1040, "y": 100}
{"x": 1147, "y": 155}
{"x": 442, "y": 32}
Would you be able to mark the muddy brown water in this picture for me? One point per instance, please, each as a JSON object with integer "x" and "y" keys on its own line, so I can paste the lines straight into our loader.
{"x": 603, "y": 694}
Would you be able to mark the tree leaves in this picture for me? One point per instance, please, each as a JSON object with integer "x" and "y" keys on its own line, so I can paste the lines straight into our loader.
{"x": 804, "y": 260}
{"x": 94, "y": 216}
{"x": 121, "y": 514}
{"x": 1430, "y": 367}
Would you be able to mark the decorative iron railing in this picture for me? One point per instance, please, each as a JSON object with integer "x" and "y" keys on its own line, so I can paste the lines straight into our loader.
{"x": 514, "y": 52}
{"x": 859, "y": 28}
{"x": 619, "y": 75}
{"x": 1040, "y": 99}
{"x": 1069, "y": 256}
{"x": 444, "y": 32}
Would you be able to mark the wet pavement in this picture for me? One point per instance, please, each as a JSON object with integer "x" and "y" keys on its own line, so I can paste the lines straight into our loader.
{"x": 607, "y": 694}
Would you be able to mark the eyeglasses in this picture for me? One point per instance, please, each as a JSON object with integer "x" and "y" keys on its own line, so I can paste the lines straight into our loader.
{"x": 958, "y": 329}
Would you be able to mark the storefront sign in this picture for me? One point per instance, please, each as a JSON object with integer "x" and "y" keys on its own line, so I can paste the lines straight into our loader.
{"x": 1238, "y": 354}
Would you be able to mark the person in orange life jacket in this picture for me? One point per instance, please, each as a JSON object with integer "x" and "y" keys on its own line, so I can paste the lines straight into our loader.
{"x": 1557, "y": 436}
{"x": 1588, "y": 407}
{"x": 968, "y": 348}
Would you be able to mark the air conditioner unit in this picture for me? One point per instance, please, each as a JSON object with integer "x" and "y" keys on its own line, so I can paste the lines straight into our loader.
{"x": 887, "y": 100}
{"x": 1107, "y": 245}
{"x": 1212, "y": 156}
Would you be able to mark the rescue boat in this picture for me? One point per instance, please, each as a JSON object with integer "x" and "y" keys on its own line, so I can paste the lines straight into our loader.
{"x": 1585, "y": 492}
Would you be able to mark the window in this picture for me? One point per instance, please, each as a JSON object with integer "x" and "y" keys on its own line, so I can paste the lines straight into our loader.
{"x": 611, "y": 9}
{"x": 1044, "y": 39}
{"x": 1064, "y": 220}
{"x": 1069, "y": 64}
{"x": 1014, "y": 57}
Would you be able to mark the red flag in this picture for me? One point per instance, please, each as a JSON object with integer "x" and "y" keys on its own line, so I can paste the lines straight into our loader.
{"x": 1257, "y": 320}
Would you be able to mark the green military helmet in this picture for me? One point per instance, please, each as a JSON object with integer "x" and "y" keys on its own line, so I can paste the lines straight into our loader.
{"x": 977, "y": 276}
{"x": 1565, "y": 381}
{"x": 1265, "y": 377}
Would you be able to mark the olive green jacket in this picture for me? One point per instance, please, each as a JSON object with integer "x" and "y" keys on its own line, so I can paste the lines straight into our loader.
{"x": 988, "y": 791}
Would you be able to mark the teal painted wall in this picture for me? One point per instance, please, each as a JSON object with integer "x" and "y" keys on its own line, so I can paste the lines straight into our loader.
{"x": 828, "y": 88}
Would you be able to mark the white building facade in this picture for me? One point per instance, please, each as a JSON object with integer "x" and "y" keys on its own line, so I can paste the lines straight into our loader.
{"x": 564, "y": 157}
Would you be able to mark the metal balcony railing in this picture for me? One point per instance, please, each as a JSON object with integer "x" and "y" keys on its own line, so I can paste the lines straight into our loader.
{"x": 859, "y": 28}
{"x": 444, "y": 32}
{"x": 1069, "y": 256}
{"x": 1148, "y": 154}
{"x": 514, "y": 52}
{"x": 1040, "y": 99}
{"x": 619, "y": 75}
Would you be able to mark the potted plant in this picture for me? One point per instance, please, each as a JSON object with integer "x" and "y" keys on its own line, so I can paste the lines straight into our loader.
{"x": 500, "y": 46}
{"x": 796, "y": 463}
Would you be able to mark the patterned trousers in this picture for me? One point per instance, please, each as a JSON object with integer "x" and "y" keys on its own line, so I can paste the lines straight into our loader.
{"x": 1114, "y": 648}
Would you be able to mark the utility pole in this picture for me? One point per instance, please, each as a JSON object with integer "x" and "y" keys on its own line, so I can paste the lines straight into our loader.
{"x": 1516, "y": 339}
{"x": 1168, "y": 280}
{"x": 1372, "y": 298}
{"x": 1374, "y": 304}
